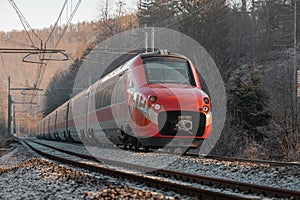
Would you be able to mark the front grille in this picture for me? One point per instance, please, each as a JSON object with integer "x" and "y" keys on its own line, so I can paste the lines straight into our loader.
{"x": 168, "y": 123}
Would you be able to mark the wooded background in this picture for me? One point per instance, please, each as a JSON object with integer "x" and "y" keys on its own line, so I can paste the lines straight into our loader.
{"x": 251, "y": 41}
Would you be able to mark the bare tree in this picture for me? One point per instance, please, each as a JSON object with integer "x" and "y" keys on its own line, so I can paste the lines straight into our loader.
{"x": 3, "y": 129}
{"x": 284, "y": 113}
{"x": 85, "y": 36}
{"x": 109, "y": 23}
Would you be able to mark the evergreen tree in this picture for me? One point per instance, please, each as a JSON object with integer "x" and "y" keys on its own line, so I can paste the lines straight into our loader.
{"x": 158, "y": 13}
{"x": 207, "y": 22}
{"x": 248, "y": 100}
{"x": 60, "y": 88}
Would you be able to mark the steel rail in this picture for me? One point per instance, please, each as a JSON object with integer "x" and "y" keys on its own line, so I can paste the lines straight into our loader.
{"x": 267, "y": 162}
{"x": 149, "y": 181}
{"x": 247, "y": 188}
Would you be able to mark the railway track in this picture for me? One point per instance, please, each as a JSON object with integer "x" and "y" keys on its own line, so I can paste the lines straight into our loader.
{"x": 221, "y": 159}
{"x": 187, "y": 184}
{"x": 266, "y": 162}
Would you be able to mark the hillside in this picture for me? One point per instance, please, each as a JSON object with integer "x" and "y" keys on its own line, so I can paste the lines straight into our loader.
{"x": 75, "y": 40}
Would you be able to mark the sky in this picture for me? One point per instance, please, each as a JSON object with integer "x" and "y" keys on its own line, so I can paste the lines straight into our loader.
{"x": 44, "y": 13}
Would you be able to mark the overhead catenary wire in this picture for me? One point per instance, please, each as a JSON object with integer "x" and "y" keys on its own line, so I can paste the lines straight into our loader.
{"x": 42, "y": 70}
{"x": 42, "y": 67}
{"x": 15, "y": 42}
{"x": 19, "y": 84}
{"x": 26, "y": 25}
{"x": 24, "y": 22}
{"x": 59, "y": 17}
{"x": 68, "y": 22}
{"x": 175, "y": 22}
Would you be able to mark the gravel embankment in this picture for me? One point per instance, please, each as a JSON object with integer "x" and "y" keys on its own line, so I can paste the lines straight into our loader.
{"x": 46, "y": 180}
{"x": 280, "y": 177}
{"x": 26, "y": 176}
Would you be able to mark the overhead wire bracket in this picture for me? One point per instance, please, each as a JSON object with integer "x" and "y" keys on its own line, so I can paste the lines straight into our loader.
{"x": 42, "y": 54}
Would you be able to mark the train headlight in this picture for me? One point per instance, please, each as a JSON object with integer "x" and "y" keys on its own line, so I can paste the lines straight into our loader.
{"x": 208, "y": 119}
{"x": 152, "y": 98}
{"x": 188, "y": 125}
{"x": 205, "y": 108}
{"x": 156, "y": 106}
{"x": 206, "y": 100}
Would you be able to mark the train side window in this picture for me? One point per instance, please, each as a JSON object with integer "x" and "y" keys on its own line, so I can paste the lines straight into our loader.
{"x": 79, "y": 107}
{"x": 82, "y": 105}
{"x": 99, "y": 98}
{"x": 105, "y": 97}
{"x": 91, "y": 101}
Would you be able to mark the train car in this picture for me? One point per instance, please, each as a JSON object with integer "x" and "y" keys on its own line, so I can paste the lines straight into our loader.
{"x": 38, "y": 130}
{"x": 52, "y": 125}
{"x": 77, "y": 117}
{"x": 151, "y": 101}
{"x": 62, "y": 122}
{"x": 94, "y": 132}
{"x": 45, "y": 128}
{"x": 45, "y": 123}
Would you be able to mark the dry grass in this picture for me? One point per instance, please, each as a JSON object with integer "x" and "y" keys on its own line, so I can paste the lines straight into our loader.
{"x": 255, "y": 151}
{"x": 6, "y": 141}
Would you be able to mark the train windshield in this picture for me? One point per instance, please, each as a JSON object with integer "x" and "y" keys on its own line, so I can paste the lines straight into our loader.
{"x": 165, "y": 70}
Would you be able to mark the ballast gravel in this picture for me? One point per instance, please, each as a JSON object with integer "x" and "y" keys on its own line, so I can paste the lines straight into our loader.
{"x": 285, "y": 177}
{"x": 23, "y": 176}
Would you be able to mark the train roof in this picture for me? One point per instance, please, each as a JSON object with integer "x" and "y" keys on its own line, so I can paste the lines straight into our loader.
{"x": 63, "y": 105}
{"x": 162, "y": 52}
{"x": 121, "y": 66}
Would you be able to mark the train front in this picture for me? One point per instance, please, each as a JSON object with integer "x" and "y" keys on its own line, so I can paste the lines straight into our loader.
{"x": 168, "y": 106}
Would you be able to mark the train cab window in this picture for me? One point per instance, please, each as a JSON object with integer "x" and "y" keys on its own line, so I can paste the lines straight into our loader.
{"x": 168, "y": 70}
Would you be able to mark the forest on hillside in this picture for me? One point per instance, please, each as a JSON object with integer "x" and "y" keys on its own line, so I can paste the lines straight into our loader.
{"x": 23, "y": 74}
{"x": 252, "y": 43}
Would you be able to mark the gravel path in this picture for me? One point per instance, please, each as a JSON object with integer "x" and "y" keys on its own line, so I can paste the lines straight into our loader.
{"x": 27, "y": 176}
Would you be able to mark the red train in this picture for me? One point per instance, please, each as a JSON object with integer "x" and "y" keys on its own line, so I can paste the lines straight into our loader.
{"x": 151, "y": 101}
